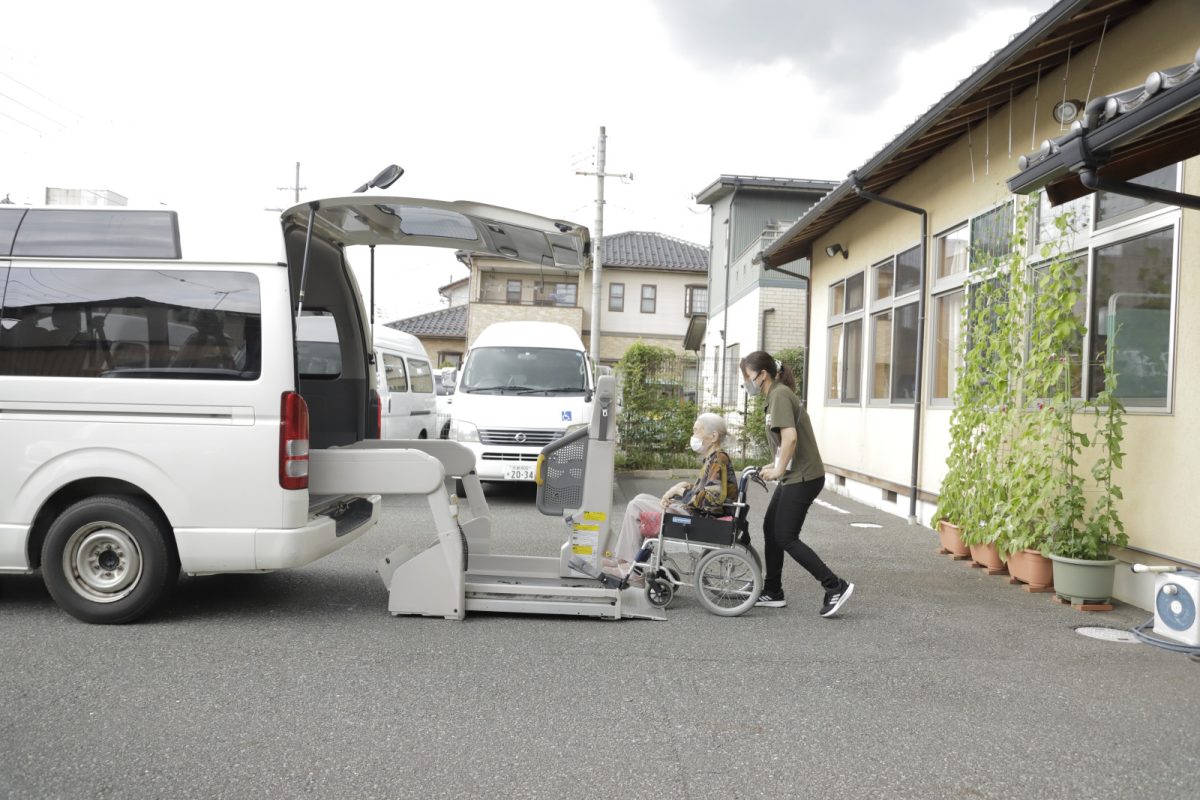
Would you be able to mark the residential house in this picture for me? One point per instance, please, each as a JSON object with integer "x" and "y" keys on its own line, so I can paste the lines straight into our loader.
{"x": 750, "y": 309}
{"x": 882, "y": 295}
{"x": 652, "y": 283}
{"x": 443, "y": 333}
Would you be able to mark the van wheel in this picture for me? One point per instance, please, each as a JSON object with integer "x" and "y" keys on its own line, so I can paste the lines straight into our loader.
{"x": 106, "y": 559}
{"x": 423, "y": 435}
{"x": 446, "y": 431}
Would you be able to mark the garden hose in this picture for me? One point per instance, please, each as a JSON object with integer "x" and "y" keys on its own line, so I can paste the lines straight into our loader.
{"x": 1140, "y": 631}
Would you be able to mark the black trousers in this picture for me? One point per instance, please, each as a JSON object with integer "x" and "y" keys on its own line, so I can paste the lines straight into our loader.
{"x": 781, "y": 529}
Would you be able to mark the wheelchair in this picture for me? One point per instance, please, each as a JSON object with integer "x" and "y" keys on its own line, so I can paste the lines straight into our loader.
{"x": 723, "y": 566}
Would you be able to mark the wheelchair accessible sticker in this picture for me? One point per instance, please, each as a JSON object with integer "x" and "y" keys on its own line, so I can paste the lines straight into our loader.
{"x": 566, "y": 416}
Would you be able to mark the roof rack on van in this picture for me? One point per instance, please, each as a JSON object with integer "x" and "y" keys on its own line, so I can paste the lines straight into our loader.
{"x": 39, "y": 232}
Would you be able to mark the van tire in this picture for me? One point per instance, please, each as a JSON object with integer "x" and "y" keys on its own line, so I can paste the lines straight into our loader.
{"x": 107, "y": 559}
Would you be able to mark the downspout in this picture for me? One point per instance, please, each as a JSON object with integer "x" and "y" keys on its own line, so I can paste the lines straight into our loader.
{"x": 725, "y": 296}
{"x": 919, "y": 380}
{"x": 762, "y": 334}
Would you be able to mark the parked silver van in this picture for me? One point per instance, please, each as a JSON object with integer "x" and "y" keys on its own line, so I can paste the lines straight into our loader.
{"x": 154, "y": 415}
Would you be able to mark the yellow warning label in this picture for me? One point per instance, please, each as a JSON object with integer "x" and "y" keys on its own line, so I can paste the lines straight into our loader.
{"x": 587, "y": 527}
{"x": 582, "y": 549}
{"x": 595, "y": 516}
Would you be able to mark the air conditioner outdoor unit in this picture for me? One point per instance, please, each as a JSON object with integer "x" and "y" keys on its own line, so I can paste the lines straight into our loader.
{"x": 1176, "y": 599}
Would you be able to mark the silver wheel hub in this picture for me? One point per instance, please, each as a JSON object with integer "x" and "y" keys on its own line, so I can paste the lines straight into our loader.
{"x": 102, "y": 562}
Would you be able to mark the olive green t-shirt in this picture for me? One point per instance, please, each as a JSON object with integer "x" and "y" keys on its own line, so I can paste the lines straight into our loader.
{"x": 784, "y": 411}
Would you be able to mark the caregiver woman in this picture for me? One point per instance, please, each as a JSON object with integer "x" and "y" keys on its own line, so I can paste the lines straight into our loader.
{"x": 801, "y": 475}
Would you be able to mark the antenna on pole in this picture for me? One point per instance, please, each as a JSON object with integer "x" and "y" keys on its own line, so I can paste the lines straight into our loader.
{"x": 296, "y": 187}
{"x": 598, "y": 241}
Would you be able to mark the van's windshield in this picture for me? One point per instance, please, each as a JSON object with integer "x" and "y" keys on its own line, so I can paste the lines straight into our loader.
{"x": 524, "y": 370}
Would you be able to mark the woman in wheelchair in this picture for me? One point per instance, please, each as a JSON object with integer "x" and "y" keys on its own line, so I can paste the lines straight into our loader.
{"x": 707, "y": 495}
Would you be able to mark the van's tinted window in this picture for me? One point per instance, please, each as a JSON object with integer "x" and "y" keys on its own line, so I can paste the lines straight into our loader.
{"x": 10, "y": 218}
{"x": 125, "y": 323}
{"x": 69, "y": 233}
{"x": 421, "y": 375}
{"x": 394, "y": 373}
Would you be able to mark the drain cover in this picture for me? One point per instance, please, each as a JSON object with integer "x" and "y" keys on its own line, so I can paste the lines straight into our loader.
{"x": 1108, "y": 634}
{"x": 864, "y": 525}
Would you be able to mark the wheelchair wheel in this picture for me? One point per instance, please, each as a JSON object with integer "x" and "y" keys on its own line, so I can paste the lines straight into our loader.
{"x": 659, "y": 592}
{"x": 728, "y": 582}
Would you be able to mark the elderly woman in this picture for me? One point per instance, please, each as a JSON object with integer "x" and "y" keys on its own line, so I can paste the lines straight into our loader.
{"x": 707, "y": 494}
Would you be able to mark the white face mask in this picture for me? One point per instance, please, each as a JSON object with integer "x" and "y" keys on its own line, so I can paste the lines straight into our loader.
{"x": 697, "y": 444}
{"x": 752, "y": 387}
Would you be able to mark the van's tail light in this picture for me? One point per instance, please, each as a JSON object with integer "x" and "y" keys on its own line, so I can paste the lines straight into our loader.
{"x": 293, "y": 442}
{"x": 376, "y": 416}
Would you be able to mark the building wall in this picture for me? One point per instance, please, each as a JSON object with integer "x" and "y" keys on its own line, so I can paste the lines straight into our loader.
{"x": 667, "y": 320}
{"x": 877, "y": 441}
{"x": 748, "y": 319}
{"x": 750, "y": 213}
{"x": 434, "y": 345}
{"x": 483, "y": 314}
{"x": 459, "y": 295}
{"x": 613, "y": 344}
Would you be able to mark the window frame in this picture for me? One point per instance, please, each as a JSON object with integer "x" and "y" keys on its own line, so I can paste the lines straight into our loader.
{"x": 838, "y": 292}
{"x": 653, "y": 298}
{"x": 878, "y": 307}
{"x": 620, "y": 299}
{"x": 957, "y": 281}
{"x": 689, "y": 302}
{"x": 508, "y": 291}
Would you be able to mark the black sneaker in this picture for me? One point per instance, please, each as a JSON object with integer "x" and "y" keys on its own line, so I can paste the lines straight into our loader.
{"x": 836, "y": 598}
{"x": 771, "y": 600}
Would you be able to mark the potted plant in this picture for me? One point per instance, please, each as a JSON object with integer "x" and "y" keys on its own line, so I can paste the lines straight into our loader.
{"x": 1079, "y": 542}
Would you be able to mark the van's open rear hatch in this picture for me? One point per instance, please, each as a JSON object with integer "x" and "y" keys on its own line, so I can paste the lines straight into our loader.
{"x": 462, "y": 225}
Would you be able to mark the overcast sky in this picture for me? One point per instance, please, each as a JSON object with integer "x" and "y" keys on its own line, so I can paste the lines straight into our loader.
{"x": 206, "y": 107}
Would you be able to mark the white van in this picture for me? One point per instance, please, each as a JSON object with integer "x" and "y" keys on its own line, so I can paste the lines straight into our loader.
{"x": 408, "y": 402}
{"x": 523, "y": 385}
{"x": 155, "y": 414}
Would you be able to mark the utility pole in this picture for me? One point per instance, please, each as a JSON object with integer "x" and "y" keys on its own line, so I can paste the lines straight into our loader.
{"x": 598, "y": 241}
{"x": 297, "y": 188}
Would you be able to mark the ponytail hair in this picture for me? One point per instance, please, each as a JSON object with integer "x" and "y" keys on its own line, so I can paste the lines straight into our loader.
{"x": 762, "y": 361}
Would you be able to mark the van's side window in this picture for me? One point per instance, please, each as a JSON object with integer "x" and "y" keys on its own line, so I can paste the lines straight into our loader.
{"x": 422, "y": 375}
{"x": 394, "y": 373}
{"x": 131, "y": 323}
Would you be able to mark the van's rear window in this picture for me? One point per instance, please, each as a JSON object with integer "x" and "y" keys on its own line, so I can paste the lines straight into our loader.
{"x": 130, "y": 323}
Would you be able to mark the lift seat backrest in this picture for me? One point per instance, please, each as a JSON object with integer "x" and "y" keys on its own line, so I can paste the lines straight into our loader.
{"x": 561, "y": 474}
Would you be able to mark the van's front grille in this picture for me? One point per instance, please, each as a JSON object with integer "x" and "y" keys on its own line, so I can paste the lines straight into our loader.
{"x": 530, "y": 457}
{"x": 519, "y": 437}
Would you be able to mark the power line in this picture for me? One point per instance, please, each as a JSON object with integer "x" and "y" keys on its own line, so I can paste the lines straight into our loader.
{"x": 39, "y": 131}
{"x": 31, "y": 108}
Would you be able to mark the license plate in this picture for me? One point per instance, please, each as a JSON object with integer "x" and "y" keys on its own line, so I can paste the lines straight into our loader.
{"x": 519, "y": 472}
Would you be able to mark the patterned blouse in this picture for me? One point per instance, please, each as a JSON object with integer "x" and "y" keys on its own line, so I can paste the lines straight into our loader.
{"x": 715, "y": 486}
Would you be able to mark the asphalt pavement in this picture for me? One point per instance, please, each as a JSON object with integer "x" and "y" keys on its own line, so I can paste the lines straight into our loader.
{"x": 936, "y": 681}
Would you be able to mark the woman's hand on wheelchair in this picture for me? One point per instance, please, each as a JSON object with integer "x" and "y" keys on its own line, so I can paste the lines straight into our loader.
{"x": 770, "y": 473}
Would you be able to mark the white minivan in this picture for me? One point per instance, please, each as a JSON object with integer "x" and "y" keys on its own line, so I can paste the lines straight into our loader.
{"x": 407, "y": 400}
{"x": 523, "y": 385}
{"x": 156, "y": 414}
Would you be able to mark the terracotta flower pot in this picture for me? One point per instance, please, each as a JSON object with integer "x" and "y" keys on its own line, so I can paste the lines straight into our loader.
{"x": 950, "y": 537}
{"x": 1031, "y": 567}
{"x": 986, "y": 555}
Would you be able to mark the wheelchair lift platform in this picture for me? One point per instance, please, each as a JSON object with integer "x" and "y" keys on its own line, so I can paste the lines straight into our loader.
{"x": 459, "y": 572}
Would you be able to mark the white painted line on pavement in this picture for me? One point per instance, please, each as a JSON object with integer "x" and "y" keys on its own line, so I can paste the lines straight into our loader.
{"x": 830, "y": 506}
